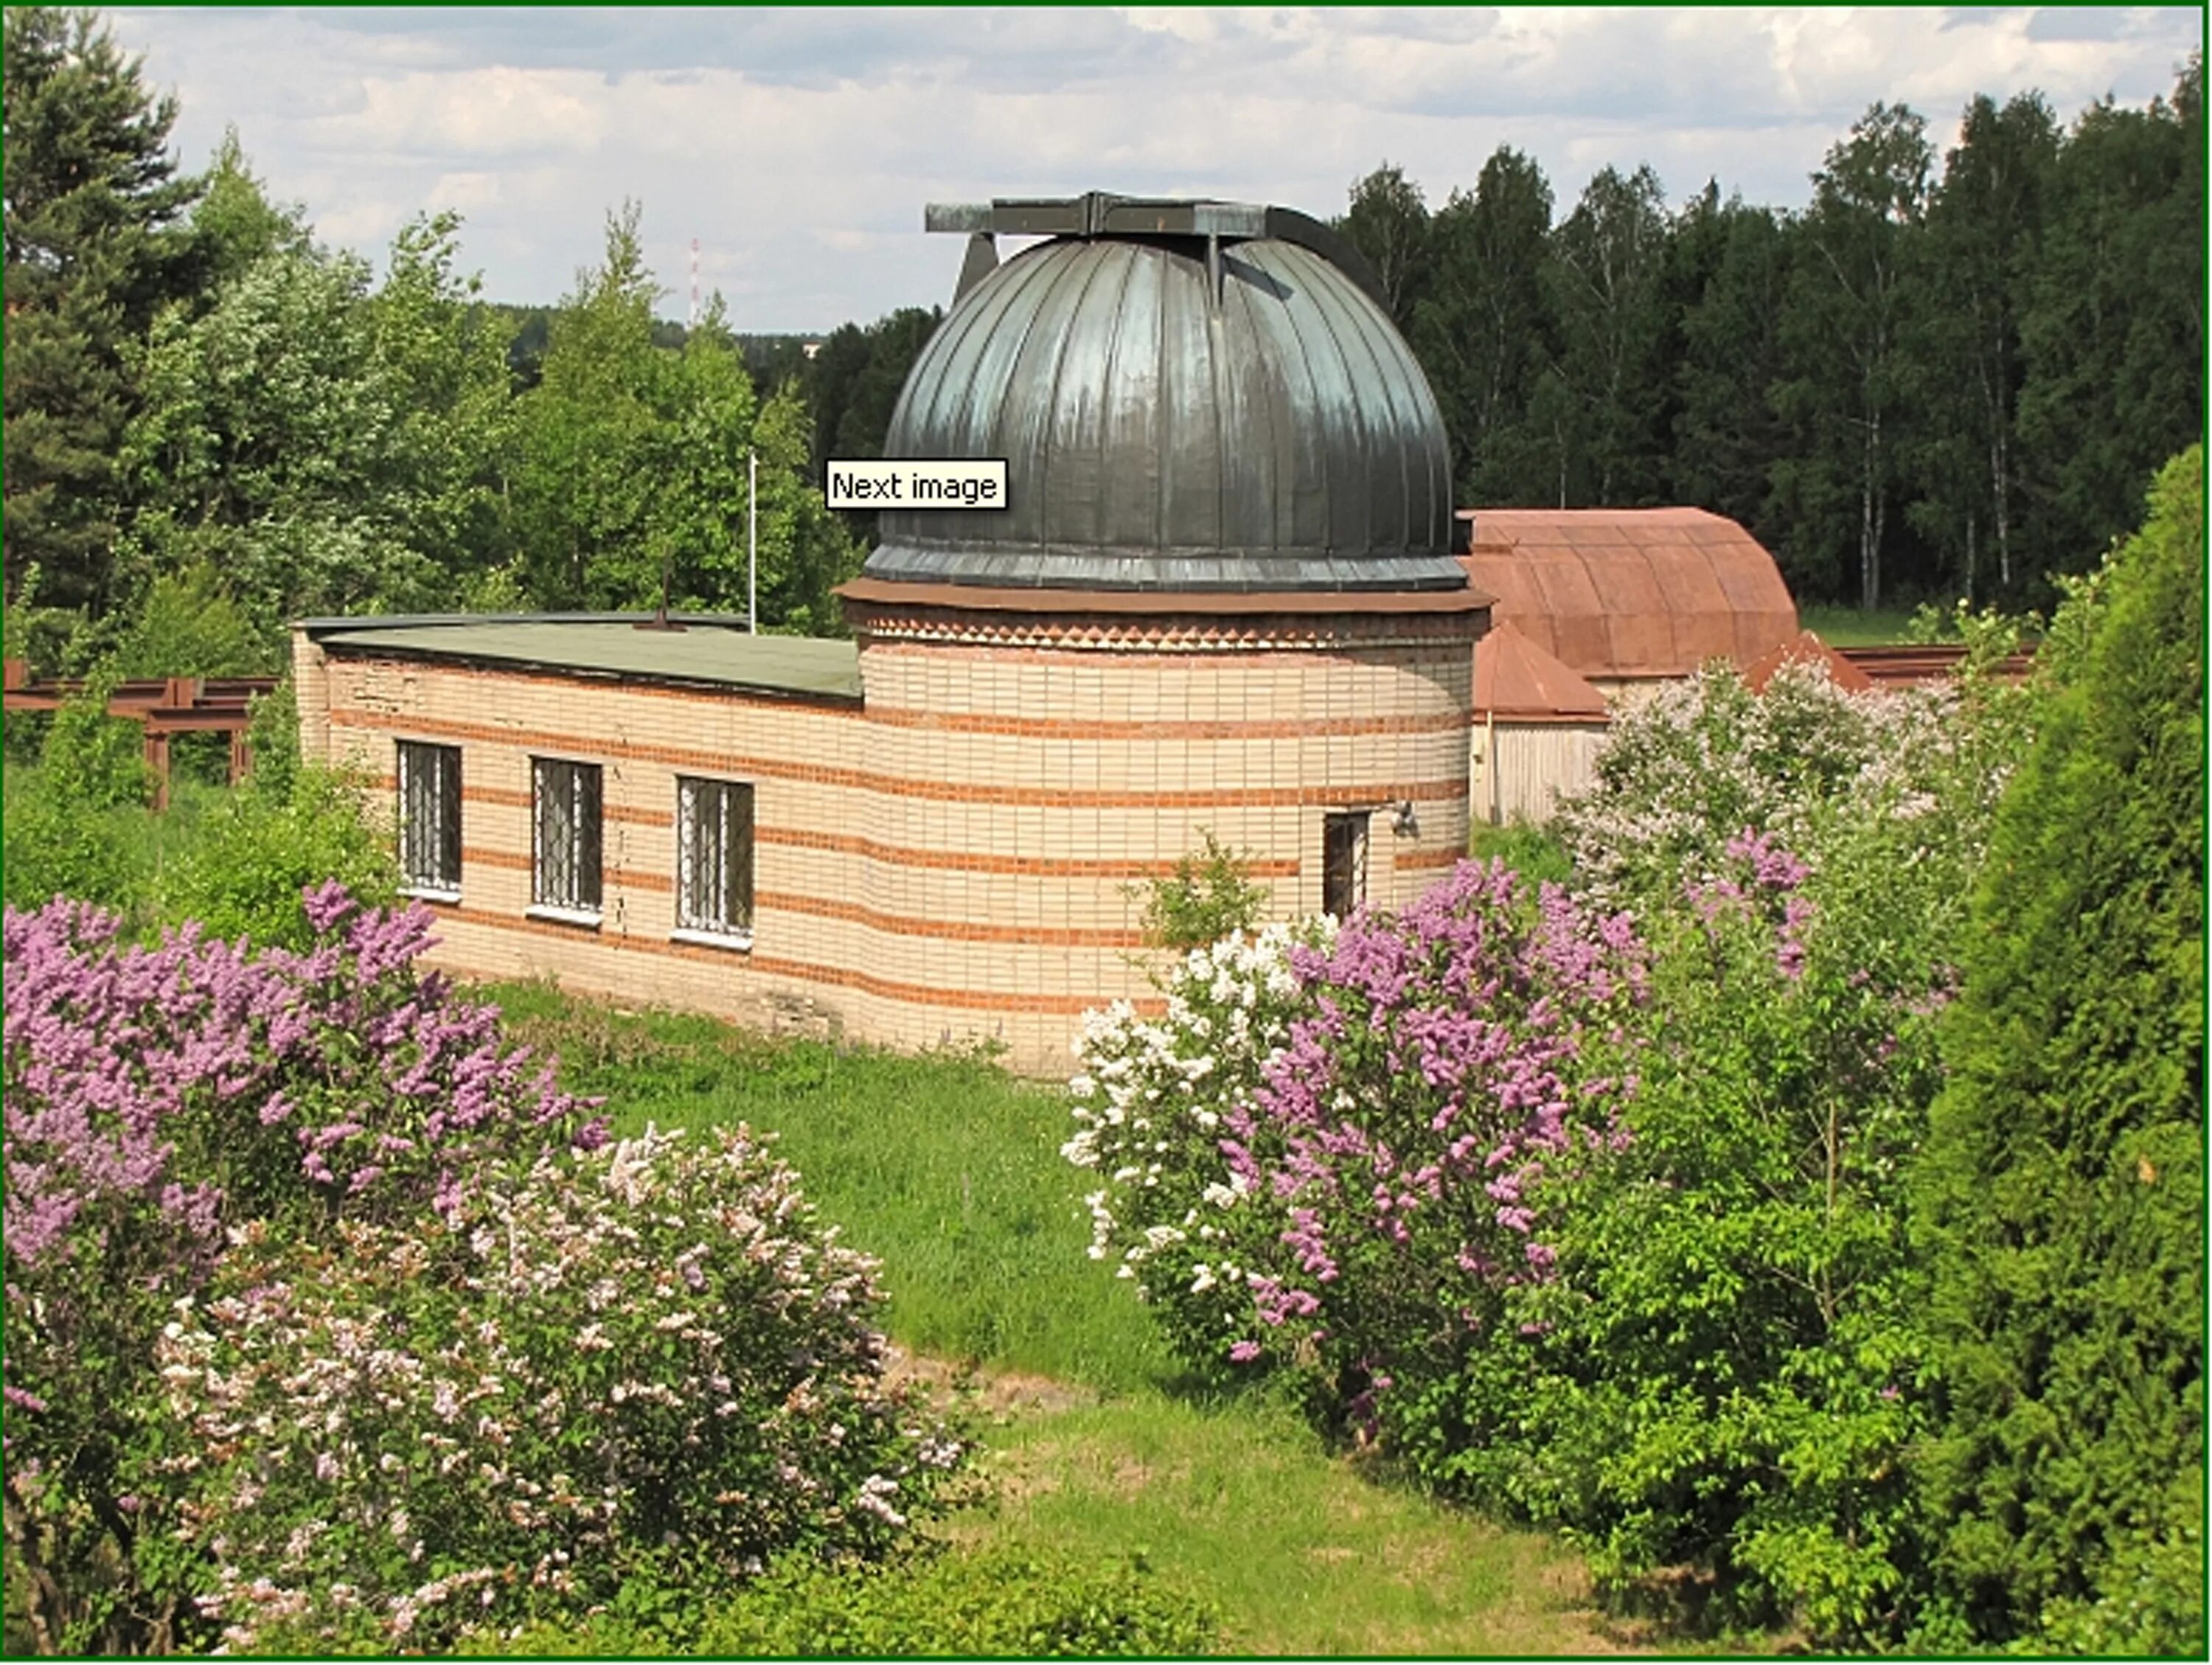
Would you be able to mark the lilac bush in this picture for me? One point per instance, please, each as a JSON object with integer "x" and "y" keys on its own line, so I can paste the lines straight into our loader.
{"x": 1336, "y": 1181}
{"x": 154, "y": 1095}
{"x": 1150, "y": 1098}
{"x": 1725, "y": 1373}
{"x": 648, "y": 1361}
{"x": 1684, "y": 771}
{"x": 1446, "y": 1059}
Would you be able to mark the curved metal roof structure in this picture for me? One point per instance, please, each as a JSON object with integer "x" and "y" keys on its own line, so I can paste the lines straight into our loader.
{"x": 1623, "y": 593}
{"x": 1189, "y": 397}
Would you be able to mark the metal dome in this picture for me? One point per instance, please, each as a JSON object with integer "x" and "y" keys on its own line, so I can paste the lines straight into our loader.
{"x": 1180, "y": 410}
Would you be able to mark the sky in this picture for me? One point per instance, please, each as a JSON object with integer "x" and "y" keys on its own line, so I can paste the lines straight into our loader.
{"x": 798, "y": 147}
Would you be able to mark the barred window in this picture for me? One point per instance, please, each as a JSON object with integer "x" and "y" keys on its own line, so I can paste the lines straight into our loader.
{"x": 430, "y": 817}
{"x": 1343, "y": 862}
{"x": 565, "y": 835}
{"x": 714, "y": 857}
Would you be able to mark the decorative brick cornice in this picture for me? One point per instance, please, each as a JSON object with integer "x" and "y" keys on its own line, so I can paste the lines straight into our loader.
{"x": 1162, "y": 632}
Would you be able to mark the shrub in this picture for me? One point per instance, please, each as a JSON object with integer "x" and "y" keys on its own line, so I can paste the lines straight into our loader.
{"x": 57, "y": 849}
{"x": 1723, "y": 1372}
{"x": 645, "y": 1366}
{"x": 151, "y": 1095}
{"x": 92, "y": 760}
{"x": 991, "y": 1604}
{"x": 1686, "y": 771}
{"x": 1209, "y": 895}
{"x": 1151, "y": 1097}
{"x": 2061, "y": 1191}
{"x": 265, "y": 845}
{"x": 1318, "y": 1157}
{"x": 1532, "y": 852}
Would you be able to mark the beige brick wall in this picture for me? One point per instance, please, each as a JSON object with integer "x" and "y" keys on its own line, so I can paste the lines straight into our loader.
{"x": 954, "y": 863}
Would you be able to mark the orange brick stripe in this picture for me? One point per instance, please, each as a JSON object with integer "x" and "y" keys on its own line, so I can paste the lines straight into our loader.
{"x": 505, "y": 798}
{"x": 968, "y": 862}
{"x": 800, "y": 970}
{"x": 1416, "y": 859}
{"x": 905, "y": 925}
{"x": 1077, "y": 728}
{"x": 1430, "y": 792}
{"x": 629, "y": 878}
{"x": 895, "y": 924}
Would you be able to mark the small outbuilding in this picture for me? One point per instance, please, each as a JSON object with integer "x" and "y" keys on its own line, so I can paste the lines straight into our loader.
{"x": 1538, "y": 728}
{"x": 1627, "y": 598}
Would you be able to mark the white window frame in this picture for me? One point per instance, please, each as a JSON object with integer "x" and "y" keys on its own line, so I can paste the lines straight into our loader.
{"x": 568, "y": 820}
{"x": 714, "y": 826}
{"x": 429, "y": 777}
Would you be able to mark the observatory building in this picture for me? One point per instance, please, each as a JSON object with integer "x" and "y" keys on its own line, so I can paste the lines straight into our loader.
{"x": 1221, "y": 600}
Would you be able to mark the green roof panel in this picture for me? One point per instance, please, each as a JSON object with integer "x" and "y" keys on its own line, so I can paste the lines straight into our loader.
{"x": 714, "y": 652}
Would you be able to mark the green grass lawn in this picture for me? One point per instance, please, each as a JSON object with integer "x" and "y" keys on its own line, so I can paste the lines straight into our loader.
{"x": 1853, "y": 627}
{"x": 949, "y": 1169}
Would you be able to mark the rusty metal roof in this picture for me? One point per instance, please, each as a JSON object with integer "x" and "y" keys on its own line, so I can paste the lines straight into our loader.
{"x": 1514, "y": 679}
{"x": 1193, "y": 409}
{"x": 1631, "y": 592}
{"x": 1806, "y": 648}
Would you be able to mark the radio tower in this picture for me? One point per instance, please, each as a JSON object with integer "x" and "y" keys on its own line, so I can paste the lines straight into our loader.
{"x": 692, "y": 322}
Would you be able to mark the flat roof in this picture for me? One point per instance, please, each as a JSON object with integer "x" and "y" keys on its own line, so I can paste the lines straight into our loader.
{"x": 710, "y": 651}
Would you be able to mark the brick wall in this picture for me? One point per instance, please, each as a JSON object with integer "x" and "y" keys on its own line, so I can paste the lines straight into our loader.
{"x": 952, "y": 860}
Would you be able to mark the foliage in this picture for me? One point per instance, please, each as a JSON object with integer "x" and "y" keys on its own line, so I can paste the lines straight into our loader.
{"x": 645, "y": 1361}
{"x": 987, "y": 1604}
{"x": 55, "y": 849}
{"x": 1152, "y": 1101}
{"x": 271, "y": 840}
{"x": 968, "y": 1208}
{"x": 95, "y": 246}
{"x": 1722, "y": 1374}
{"x": 327, "y": 446}
{"x": 153, "y": 1095}
{"x": 65, "y": 837}
{"x": 1683, "y": 773}
{"x": 1478, "y": 329}
{"x": 2062, "y": 1191}
{"x": 1209, "y": 895}
{"x": 1318, "y": 1156}
{"x": 632, "y": 464}
{"x": 1535, "y": 852}
{"x": 1603, "y": 278}
{"x": 186, "y": 624}
{"x": 1387, "y": 221}
{"x": 92, "y": 761}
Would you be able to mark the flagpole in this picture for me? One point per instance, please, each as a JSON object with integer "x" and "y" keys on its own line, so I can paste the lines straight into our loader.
{"x": 752, "y": 542}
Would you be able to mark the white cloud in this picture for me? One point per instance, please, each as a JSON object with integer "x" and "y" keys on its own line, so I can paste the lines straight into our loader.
{"x": 800, "y": 145}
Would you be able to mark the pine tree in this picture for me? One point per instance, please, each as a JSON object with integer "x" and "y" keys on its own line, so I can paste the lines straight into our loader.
{"x": 96, "y": 245}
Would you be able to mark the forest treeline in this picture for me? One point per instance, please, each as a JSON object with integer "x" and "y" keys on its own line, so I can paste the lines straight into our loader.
{"x": 1942, "y": 377}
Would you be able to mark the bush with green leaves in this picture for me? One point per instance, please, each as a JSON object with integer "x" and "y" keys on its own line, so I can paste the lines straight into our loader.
{"x": 645, "y": 1364}
{"x": 1209, "y": 895}
{"x": 1724, "y": 1371}
{"x": 270, "y": 840}
{"x": 1687, "y": 769}
{"x": 2061, "y": 1196}
{"x": 66, "y": 831}
{"x": 1152, "y": 1096}
{"x": 978, "y": 1605}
